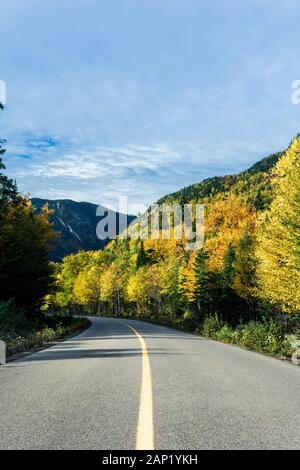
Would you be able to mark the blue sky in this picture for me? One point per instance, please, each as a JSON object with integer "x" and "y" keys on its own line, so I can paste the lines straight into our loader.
{"x": 142, "y": 97}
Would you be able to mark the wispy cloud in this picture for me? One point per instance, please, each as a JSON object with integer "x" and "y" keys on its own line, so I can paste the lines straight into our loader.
{"x": 101, "y": 174}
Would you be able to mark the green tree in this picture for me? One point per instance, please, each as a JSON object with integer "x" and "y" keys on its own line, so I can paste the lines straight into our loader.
{"x": 202, "y": 283}
{"x": 141, "y": 258}
{"x": 8, "y": 189}
{"x": 245, "y": 280}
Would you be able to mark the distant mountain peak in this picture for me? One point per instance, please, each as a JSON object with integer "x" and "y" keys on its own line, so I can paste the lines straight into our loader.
{"x": 76, "y": 222}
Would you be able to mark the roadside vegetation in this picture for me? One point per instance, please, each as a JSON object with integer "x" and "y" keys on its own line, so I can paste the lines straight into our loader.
{"x": 21, "y": 335}
{"x": 266, "y": 336}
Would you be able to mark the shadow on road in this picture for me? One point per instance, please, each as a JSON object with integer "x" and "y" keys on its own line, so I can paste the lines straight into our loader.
{"x": 85, "y": 346}
{"x": 59, "y": 354}
{"x": 68, "y": 354}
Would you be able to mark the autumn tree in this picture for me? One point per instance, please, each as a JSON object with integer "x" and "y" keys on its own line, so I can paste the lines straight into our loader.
{"x": 278, "y": 247}
{"x": 187, "y": 279}
{"x": 136, "y": 292}
{"x": 113, "y": 284}
{"x": 170, "y": 286}
{"x": 87, "y": 289}
{"x": 226, "y": 223}
{"x": 70, "y": 269}
{"x": 144, "y": 290}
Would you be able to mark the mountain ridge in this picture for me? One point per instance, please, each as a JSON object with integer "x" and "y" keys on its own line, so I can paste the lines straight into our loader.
{"x": 252, "y": 184}
{"x": 76, "y": 223}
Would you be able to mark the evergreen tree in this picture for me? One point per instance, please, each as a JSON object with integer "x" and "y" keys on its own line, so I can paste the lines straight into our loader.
{"x": 245, "y": 280}
{"x": 202, "y": 283}
{"x": 141, "y": 259}
{"x": 229, "y": 269}
{"x": 231, "y": 306}
{"x": 8, "y": 189}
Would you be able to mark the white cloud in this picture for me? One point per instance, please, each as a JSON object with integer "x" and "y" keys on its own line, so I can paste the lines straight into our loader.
{"x": 101, "y": 174}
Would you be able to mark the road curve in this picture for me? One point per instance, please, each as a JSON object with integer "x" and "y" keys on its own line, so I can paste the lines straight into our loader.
{"x": 93, "y": 392}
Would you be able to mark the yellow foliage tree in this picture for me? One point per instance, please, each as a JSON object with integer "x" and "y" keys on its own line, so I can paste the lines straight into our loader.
{"x": 113, "y": 281}
{"x": 136, "y": 291}
{"x": 87, "y": 288}
{"x": 226, "y": 223}
{"x": 278, "y": 248}
{"x": 144, "y": 288}
{"x": 188, "y": 278}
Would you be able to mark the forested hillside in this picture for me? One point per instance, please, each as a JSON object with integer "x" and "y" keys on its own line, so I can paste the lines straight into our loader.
{"x": 253, "y": 186}
{"x": 248, "y": 268}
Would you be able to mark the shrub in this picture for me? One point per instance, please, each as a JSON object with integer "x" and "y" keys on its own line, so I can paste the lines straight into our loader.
{"x": 267, "y": 336}
{"x": 225, "y": 334}
{"x": 236, "y": 336}
{"x": 211, "y": 326}
{"x": 47, "y": 335}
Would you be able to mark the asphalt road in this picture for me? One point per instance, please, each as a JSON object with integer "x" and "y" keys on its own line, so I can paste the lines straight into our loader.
{"x": 97, "y": 391}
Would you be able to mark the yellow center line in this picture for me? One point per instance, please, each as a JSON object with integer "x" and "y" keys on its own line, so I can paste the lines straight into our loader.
{"x": 144, "y": 436}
